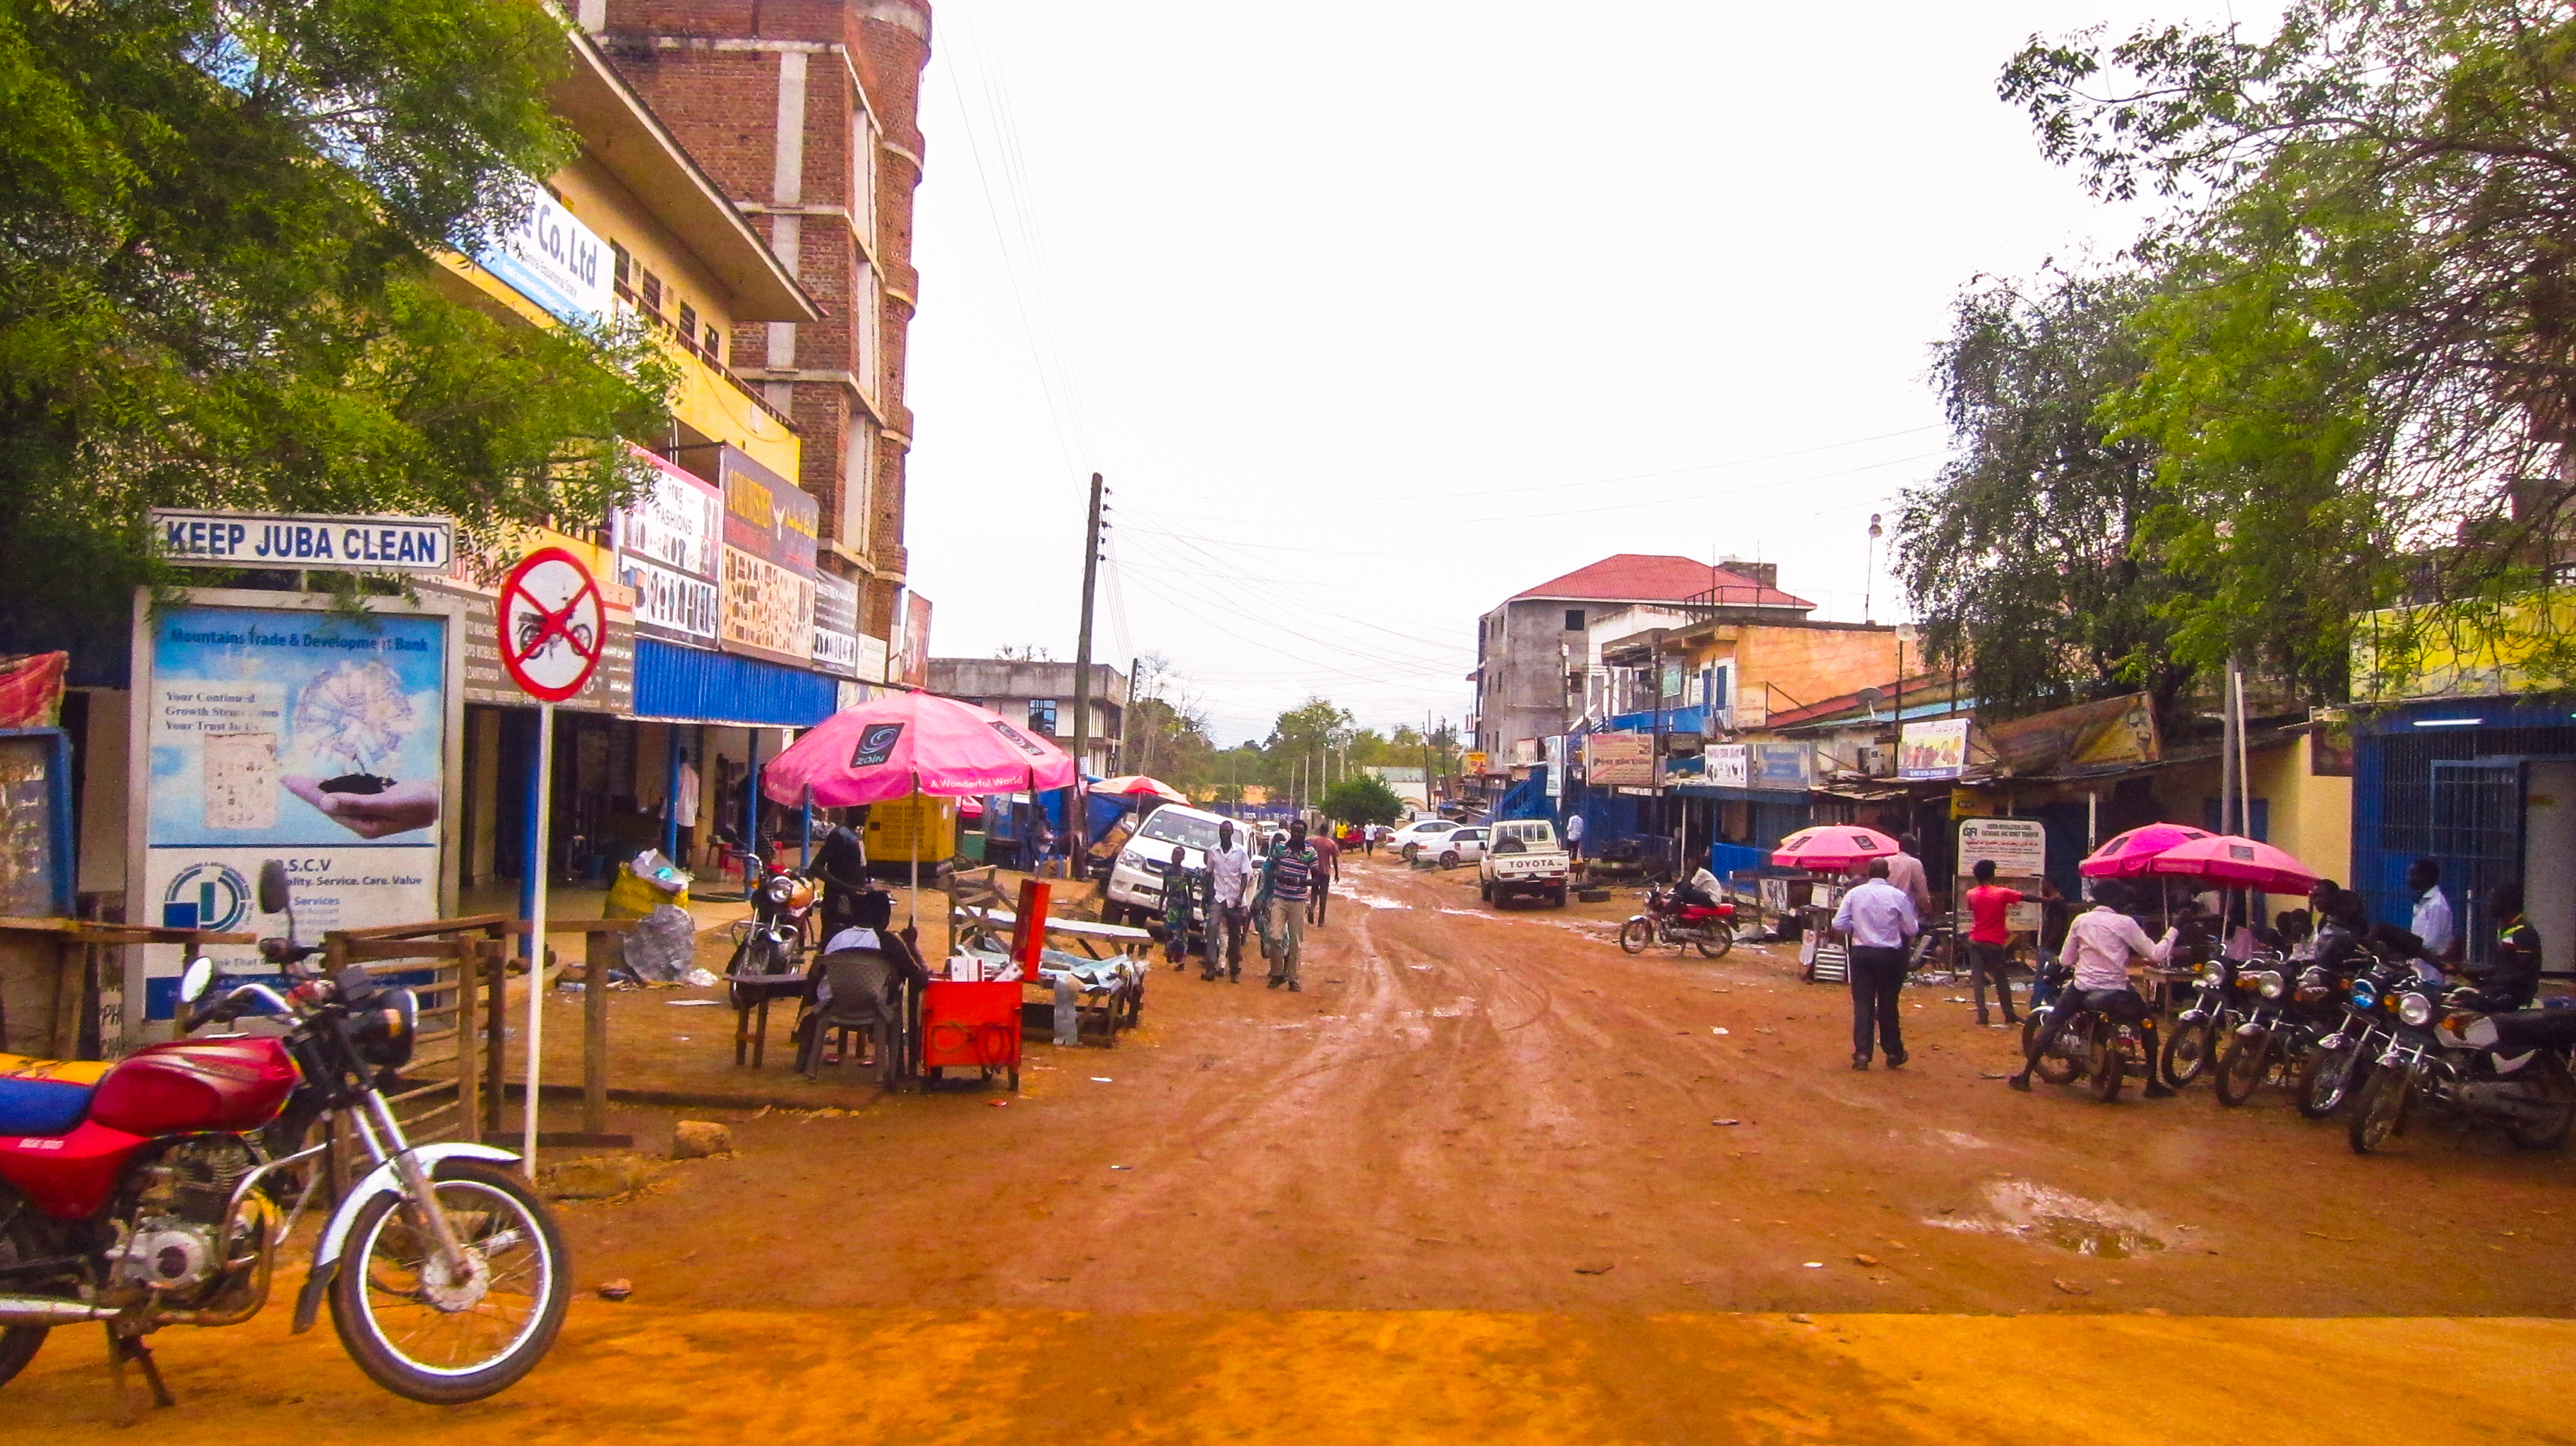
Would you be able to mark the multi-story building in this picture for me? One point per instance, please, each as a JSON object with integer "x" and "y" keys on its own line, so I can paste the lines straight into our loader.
{"x": 806, "y": 114}
{"x": 1040, "y": 694}
{"x": 1535, "y": 656}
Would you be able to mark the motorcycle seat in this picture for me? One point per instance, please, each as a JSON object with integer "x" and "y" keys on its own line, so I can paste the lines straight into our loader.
{"x": 46, "y": 1096}
{"x": 2531, "y": 1029}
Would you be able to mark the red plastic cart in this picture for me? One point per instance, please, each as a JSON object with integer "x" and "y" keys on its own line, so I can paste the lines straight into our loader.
{"x": 971, "y": 1026}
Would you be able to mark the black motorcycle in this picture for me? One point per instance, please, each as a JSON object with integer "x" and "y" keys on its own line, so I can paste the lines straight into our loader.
{"x": 2267, "y": 1033}
{"x": 2342, "y": 1059}
{"x": 774, "y": 941}
{"x": 2201, "y": 1030}
{"x": 2102, "y": 1042}
{"x": 2504, "y": 1069}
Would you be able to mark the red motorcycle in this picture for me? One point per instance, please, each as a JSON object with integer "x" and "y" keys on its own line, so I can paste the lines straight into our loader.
{"x": 155, "y": 1191}
{"x": 1671, "y": 919}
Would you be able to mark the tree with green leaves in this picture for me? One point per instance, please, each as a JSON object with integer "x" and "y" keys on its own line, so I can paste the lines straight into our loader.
{"x": 1362, "y": 798}
{"x": 2359, "y": 373}
{"x": 2023, "y": 557}
{"x": 216, "y": 284}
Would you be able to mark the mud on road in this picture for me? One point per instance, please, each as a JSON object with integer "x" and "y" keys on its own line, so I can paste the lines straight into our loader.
{"x": 1500, "y": 1111}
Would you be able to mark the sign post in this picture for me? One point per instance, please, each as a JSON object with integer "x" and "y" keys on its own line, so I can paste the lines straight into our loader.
{"x": 553, "y": 626}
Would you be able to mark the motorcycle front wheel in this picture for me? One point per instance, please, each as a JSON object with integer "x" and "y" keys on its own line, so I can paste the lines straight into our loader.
{"x": 2189, "y": 1052}
{"x": 1635, "y": 935}
{"x": 2242, "y": 1067}
{"x": 2326, "y": 1080}
{"x": 2383, "y": 1101}
{"x": 423, "y": 1333}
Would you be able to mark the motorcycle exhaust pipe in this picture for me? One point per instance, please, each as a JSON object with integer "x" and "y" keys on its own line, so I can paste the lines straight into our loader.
{"x": 38, "y": 1310}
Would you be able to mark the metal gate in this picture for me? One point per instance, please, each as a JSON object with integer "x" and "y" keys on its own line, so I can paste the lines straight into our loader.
{"x": 2476, "y": 825}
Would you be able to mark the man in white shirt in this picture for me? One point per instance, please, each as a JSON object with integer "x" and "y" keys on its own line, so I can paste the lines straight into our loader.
{"x": 1230, "y": 888}
{"x": 2099, "y": 944}
{"x": 2433, "y": 921}
{"x": 1878, "y": 918}
{"x": 1574, "y": 837}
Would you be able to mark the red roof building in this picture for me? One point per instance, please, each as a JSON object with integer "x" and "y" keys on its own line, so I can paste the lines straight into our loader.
{"x": 1652, "y": 577}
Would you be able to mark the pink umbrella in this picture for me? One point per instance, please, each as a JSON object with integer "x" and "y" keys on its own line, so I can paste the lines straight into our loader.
{"x": 2243, "y": 862}
{"x": 1832, "y": 848}
{"x": 908, "y": 743}
{"x": 2128, "y": 856}
{"x": 1138, "y": 786}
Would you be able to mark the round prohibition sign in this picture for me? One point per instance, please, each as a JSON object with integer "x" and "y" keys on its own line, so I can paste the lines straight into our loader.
{"x": 553, "y": 624}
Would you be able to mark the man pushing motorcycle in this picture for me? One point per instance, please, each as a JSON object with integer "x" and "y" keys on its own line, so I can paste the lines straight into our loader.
{"x": 2099, "y": 945}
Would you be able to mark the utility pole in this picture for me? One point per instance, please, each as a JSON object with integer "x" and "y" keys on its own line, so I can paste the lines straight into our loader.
{"x": 1075, "y": 823}
{"x": 1430, "y": 800}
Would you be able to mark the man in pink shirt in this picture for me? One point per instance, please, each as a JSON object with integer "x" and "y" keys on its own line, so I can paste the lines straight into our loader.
{"x": 1328, "y": 872}
{"x": 1906, "y": 872}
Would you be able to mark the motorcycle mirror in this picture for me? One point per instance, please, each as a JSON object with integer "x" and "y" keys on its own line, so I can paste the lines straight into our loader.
{"x": 272, "y": 887}
{"x": 199, "y": 978}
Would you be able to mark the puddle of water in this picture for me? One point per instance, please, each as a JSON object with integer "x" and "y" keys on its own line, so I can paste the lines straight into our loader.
{"x": 1457, "y": 1009}
{"x": 1373, "y": 901}
{"x": 2046, "y": 1215}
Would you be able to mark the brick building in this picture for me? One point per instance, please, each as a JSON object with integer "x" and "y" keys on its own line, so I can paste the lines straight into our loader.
{"x": 806, "y": 113}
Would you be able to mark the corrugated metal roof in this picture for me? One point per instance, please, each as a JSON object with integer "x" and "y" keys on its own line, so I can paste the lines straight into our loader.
{"x": 688, "y": 685}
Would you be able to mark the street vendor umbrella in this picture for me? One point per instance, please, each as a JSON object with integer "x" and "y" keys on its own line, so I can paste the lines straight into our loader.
{"x": 2241, "y": 862}
{"x": 2129, "y": 855}
{"x": 1138, "y": 787}
{"x": 1832, "y": 848}
{"x": 910, "y": 743}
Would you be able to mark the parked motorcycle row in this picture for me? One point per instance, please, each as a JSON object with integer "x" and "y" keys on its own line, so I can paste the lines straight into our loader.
{"x": 2379, "y": 1043}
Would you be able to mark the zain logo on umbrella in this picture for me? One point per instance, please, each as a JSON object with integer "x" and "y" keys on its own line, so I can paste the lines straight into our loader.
{"x": 876, "y": 745}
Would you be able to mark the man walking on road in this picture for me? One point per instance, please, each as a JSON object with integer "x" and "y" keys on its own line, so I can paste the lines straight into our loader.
{"x": 1878, "y": 918}
{"x": 1229, "y": 905}
{"x": 1328, "y": 857}
{"x": 1284, "y": 887}
{"x": 1989, "y": 934}
{"x": 1574, "y": 837}
{"x": 1905, "y": 871}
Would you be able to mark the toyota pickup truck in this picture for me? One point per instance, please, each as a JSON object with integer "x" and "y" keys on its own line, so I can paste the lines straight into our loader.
{"x": 1522, "y": 857}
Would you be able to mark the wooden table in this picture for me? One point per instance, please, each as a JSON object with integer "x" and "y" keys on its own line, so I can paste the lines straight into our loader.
{"x": 752, "y": 994}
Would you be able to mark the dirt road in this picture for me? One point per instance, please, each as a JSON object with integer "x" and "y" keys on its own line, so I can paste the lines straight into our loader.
{"x": 1474, "y": 1178}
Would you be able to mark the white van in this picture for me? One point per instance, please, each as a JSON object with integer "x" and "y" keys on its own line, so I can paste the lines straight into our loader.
{"x": 1136, "y": 876}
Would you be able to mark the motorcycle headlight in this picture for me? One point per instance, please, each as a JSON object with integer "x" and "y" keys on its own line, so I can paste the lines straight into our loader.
{"x": 2414, "y": 1009}
{"x": 385, "y": 1028}
{"x": 2268, "y": 984}
{"x": 2365, "y": 995}
{"x": 779, "y": 888}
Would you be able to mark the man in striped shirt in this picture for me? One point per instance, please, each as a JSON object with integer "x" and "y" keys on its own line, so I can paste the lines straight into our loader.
{"x": 1290, "y": 878}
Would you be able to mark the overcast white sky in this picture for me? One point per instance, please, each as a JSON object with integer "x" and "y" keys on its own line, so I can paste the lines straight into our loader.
{"x": 1375, "y": 315}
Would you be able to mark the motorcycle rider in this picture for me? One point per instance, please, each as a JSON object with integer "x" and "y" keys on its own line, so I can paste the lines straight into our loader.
{"x": 1699, "y": 893}
{"x": 2099, "y": 944}
{"x": 2512, "y": 980}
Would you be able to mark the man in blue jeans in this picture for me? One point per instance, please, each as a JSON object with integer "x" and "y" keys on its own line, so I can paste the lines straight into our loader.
{"x": 1879, "y": 919}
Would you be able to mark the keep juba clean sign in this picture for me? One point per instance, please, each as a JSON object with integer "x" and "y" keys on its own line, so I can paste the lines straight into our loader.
{"x": 332, "y": 544}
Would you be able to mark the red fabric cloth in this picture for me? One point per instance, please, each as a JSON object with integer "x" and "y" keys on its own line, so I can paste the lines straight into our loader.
{"x": 31, "y": 689}
{"x": 1987, "y": 904}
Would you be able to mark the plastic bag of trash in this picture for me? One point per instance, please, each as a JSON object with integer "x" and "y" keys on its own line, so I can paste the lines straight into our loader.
{"x": 699, "y": 979}
{"x": 662, "y": 944}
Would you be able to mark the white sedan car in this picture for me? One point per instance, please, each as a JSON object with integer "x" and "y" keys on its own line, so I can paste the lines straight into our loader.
{"x": 1420, "y": 836}
{"x": 1461, "y": 846}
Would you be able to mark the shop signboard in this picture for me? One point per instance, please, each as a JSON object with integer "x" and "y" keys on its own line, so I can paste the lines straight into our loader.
{"x": 2019, "y": 846}
{"x": 1619, "y": 760}
{"x": 1936, "y": 748}
{"x": 836, "y": 626}
{"x": 667, "y": 552}
{"x": 1783, "y": 766}
{"x": 1555, "y": 746}
{"x": 872, "y": 659}
{"x": 294, "y": 733}
{"x": 766, "y": 565}
{"x": 552, "y": 259}
{"x": 192, "y": 538}
{"x": 1730, "y": 765}
{"x": 1475, "y": 763}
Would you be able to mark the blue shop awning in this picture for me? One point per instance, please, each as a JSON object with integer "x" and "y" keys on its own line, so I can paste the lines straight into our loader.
{"x": 689, "y": 685}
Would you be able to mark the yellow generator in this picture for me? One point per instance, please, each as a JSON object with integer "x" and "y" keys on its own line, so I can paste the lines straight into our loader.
{"x": 915, "y": 829}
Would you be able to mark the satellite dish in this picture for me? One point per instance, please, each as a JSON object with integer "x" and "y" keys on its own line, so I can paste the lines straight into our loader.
{"x": 1870, "y": 698}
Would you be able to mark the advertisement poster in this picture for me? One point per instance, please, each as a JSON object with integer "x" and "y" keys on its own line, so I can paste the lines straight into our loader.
{"x": 552, "y": 259}
{"x": 297, "y": 735}
{"x": 2019, "y": 846}
{"x": 765, "y": 583}
{"x": 1730, "y": 765}
{"x": 667, "y": 541}
{"x": 1619, "y": 760}
{"x": 1555, "y": 747}
{"x": 1784, "y": 765}
{"x": 912, "y": 664}
{"x": 836, "y": 626}
{"x": 1937, "y": 749}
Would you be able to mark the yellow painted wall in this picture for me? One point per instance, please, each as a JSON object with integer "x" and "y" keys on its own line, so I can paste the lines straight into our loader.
{"x": 2310, "y": 816}
{"x": 706, "y": 400}
{"x": 1803, "y": 665}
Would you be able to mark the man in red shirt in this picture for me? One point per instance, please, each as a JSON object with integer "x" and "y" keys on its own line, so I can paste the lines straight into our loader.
{"x": 1988, "y": 933}
{"x": 1328, "y": 872}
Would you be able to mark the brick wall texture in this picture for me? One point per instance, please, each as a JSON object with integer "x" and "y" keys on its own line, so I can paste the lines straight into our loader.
{"x": 716, "y": 72}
